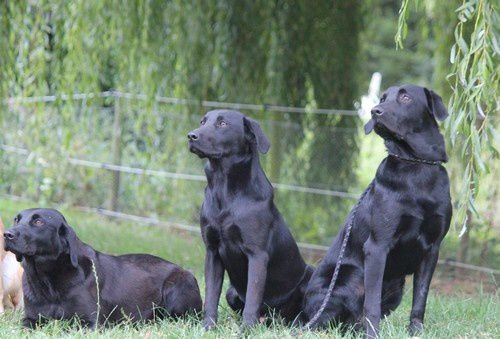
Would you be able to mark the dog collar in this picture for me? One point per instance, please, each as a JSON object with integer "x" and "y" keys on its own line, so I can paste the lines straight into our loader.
{"x": 417, "y": 160}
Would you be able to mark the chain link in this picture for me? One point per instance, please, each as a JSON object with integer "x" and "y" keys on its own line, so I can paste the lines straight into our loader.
{"x": 417, "y": 160}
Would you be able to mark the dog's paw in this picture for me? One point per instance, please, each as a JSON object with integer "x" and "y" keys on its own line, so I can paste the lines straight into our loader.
{"x": 209, "y": 323}
{"x": 371, "y": 329}
{"x": 248, "y": 324}
{"x": 250, "y": 320}
{"x": 415, "y": 328}
{"x": 358, "y": 326}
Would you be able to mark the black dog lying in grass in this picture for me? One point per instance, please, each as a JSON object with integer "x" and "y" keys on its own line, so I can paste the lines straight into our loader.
{"x": 243, "y": 230}
{"x": 399, "y": 223}
{"x": 60, "y": 274}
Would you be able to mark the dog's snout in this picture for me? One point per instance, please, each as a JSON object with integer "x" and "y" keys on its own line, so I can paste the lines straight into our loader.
{"x": 192, "y": 136}
{"x": 377, "y": 111}
{"x": 9, "y": 235}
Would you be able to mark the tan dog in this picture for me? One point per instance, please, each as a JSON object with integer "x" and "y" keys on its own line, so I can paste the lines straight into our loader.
{"x": 11, "y": 273}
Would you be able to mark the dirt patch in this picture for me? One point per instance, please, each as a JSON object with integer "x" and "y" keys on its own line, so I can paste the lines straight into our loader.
{"x": 453, "y": 281}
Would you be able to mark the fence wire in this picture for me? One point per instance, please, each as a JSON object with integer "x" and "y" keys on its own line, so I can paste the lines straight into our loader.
{"x": 125, "y": 156}
{"x": 181, "y": 101}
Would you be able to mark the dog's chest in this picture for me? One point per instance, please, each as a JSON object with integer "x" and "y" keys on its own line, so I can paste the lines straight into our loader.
{"x": 407, "y": 206}
{"x": 221, "y": 228}
{"x": 223, "y": 234}
{"x": 51, "y": 307}
{"x": 59, "y": 298}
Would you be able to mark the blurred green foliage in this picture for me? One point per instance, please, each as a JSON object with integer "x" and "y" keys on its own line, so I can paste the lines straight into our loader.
{"x": 296, "y": 53}
{"x": 468, "y": 71}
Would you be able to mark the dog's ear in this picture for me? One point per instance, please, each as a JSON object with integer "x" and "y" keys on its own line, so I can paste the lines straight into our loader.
{"x": 435, "y": 105}
{"x": 68, "y": 238}
{"x": 252, "y": 128}
{"x": 369, "y": 126}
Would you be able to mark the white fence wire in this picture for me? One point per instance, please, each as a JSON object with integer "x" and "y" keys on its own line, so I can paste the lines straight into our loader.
{"x": 182, "y": 101}
{"x": 192, "y": 177}
{"x": 175, "y": 176}
{"x": 318, "y": 249}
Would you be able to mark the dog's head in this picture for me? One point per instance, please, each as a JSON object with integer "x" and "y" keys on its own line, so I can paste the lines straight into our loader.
{"x": 225, "y": 133}
{"x": 42, "y": 234}
{"x": 406, "y": 116}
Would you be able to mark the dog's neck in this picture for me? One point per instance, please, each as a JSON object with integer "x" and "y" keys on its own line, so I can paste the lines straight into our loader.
{"x": 412, "y": 149}
{"x": 50, "y": 266}
{"x": 238, "y": 173}
{"x": 57, "y": 266}
{"x": 44, "y": 275}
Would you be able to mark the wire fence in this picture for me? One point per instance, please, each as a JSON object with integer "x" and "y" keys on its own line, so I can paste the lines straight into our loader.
{"x": 311, "y": 251}
{"x": 125, "y": 156}
{"x": 124, "y": 151}
{"x": 181, "y": 101}
{"x": 178, "y": 176}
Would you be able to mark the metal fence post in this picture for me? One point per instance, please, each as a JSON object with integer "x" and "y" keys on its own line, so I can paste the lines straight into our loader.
{"x": 116, "y": 154}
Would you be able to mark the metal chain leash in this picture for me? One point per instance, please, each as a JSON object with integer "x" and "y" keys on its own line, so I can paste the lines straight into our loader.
{"x": 417, "y": 160}
{"x": 318, "y": 314}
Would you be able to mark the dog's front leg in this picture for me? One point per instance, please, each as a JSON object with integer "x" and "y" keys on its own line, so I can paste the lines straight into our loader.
{"x": 214, "y": 276}
{"x": 257, "y": 274}
{"x": 375, "y": 257}
{"x": 421, "y": 282}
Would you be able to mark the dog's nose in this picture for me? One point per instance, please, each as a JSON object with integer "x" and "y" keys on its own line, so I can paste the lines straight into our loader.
{"x": 192, "y": 136}
{"x": 9, "y": 235}
{"x": 377, "y": 111}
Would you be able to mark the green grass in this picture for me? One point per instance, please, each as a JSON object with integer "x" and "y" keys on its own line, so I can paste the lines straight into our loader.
{"x": 447, "y": 316}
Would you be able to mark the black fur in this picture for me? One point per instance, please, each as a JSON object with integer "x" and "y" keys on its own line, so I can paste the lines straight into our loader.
{"x": 59, "y": 280}
{"x": 400, "y": 223}
{"x": 243, "y": 230}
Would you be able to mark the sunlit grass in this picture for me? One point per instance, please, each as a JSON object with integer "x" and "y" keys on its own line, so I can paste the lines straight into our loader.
{"x": 447, "y": 316}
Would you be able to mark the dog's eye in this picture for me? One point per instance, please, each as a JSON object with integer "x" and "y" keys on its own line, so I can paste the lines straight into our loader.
{"x": 222, "y": 123}
{"x": 383, "y": 98}
{"x": 405, "y": 98}
{"x": 38, "y": 222}
{"x": 202, "y": 122}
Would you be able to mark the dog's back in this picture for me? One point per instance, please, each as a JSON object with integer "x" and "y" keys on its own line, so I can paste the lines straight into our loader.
{"x": 131, "y": 282}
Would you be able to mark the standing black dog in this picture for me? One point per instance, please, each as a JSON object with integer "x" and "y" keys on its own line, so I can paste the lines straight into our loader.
{"x": 243, "y": 230}
{"x": 60, "y": 274}
{"x": 400, "y": 222}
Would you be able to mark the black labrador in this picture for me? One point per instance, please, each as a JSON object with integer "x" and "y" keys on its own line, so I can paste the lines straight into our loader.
{"x": 399, "y": 223}
{"x": 243, "y": 231}
{"x": 61, "y": 274}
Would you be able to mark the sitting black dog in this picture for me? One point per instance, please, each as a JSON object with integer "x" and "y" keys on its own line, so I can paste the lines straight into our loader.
{"x": 61, "y": 275}
{"x": 243, "y": 230}
{"x": 399, "y": 223}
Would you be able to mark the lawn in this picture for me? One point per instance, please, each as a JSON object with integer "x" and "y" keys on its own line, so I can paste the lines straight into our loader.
{"x": 455, "y": 316}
